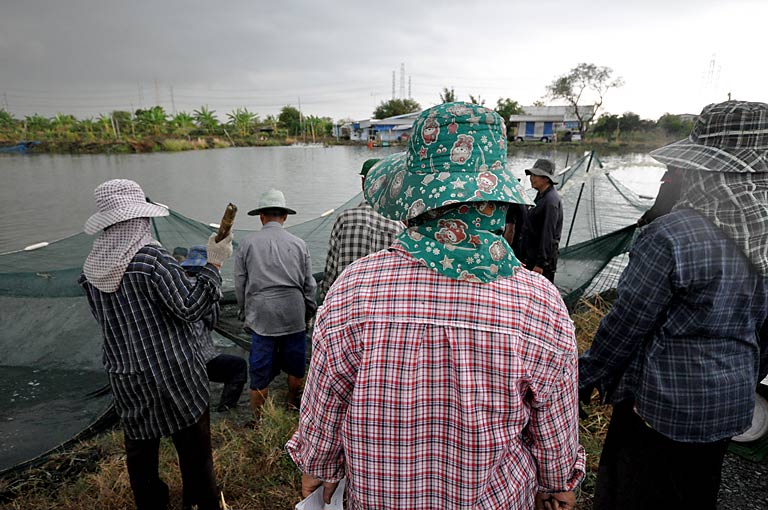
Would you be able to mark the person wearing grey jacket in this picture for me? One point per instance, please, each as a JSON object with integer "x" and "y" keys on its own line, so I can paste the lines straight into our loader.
{"x": 275, "y": 290}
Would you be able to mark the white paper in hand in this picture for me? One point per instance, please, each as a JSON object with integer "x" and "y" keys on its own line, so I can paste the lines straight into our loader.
{"x": 315, "y": 500}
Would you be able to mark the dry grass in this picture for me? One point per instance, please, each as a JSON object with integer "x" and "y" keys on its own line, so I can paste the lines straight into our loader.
{"x": 252, "y": 467}
{"x": 592, "y": 430}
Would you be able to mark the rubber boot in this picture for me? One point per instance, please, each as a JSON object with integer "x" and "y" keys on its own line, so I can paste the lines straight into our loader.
{"x": 230, "y": 396}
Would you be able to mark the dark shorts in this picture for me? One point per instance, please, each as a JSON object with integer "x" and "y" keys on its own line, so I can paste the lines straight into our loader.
{"x": 271, "y": 354}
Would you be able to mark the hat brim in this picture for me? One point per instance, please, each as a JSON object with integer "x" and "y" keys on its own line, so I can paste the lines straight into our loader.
{"x": 102, "y": 220}
{"x": 390, "y": 188}
{"x": 687, "y": 155}
{"x": 542, "y": 173}
{"x": 256, "y": 211}
{"x": 193, "y": 262}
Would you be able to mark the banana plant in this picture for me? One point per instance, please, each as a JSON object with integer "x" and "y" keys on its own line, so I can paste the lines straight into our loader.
{"x": 206, "y": 119}
{"x": 242, "y": 120}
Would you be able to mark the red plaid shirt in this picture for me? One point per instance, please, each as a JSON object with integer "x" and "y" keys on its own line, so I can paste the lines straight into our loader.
{"x": 428, "y": 392}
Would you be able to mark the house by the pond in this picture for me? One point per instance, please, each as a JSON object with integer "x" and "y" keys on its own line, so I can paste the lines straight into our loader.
{"x": 548, "y": 123}
{"x": 378, "y": 131}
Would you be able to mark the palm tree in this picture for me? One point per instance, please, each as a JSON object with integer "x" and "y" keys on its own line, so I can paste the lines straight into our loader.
{"x": 242, "y": 120}
{"x": 38, "y": 124}
{"x": 62, "y": 123}
{"x": 182, "y": 123}
{"x": 86, "y": 126}
{"x": 104, "y": 122}
{"x": 152, "y": 120}
{"x": 206, "y": 119}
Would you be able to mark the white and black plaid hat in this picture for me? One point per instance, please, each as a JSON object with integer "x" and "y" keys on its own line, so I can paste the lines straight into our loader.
{"x": 726, "y": 137}
{"x": 120, "y": 200}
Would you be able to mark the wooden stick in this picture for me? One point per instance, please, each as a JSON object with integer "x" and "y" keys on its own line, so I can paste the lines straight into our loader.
{"x": 226, "y": 222}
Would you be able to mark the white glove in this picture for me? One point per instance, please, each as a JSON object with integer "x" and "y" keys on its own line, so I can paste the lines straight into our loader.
{"x": 219, "y": 252}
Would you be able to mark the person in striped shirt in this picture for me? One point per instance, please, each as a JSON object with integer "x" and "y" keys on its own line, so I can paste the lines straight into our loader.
{"x": 147, "y": 308}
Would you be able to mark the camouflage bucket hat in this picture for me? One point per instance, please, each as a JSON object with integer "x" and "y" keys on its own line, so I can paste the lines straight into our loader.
{"x": 457, "y": 153}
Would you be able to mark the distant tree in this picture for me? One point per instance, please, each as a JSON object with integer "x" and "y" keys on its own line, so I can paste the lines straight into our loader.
{"x": 447, "y": 96}
{"x": 505, "y": 108}
{"x": 584, "y": 78}
{"x": 539, "y": 103}
{"x": 672, "y": 125}
{"x": 242, "y": 120}
{"x": 152, "y": 120}
{"x": 606, "y": 125}
{"x": 86, "y": 127}
{"x": 290, "y": 120}
{"x": 206, "y": 119}
{"x": 124, "y": 122}
{"x": 37, "y": 123}
{"x": 6, "y": 120}
{"x": 393, "y": 107}
{"x": 62, "y": 123}
{"x": 476, "y": 100}
{"x": 183, "y": 123}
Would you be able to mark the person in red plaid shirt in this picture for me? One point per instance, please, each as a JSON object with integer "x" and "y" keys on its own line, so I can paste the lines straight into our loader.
{"x": 443, "y": 374}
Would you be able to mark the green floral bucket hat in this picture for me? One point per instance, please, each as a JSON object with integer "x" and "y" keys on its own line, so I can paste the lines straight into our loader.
{"x": 457, "y": 153}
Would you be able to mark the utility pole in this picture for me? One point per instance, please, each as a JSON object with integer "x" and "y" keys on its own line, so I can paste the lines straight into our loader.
{"x": 173, "y": 101}
{"x": 402, "y": 80}
{"x": 409, "y": 88}
{"x": 157, "y": 94}
{"x": 393, "y": 85}
{"x": 7, "y": 108}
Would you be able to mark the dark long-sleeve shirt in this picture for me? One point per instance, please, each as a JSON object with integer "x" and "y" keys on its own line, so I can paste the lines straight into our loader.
{"x": 155, "y": 368}
{"x": 543, "y": 230}
{"x": 682, "y": 338}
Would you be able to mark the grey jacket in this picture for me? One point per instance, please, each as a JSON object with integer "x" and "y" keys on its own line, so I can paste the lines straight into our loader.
{"x": 273, "y": 281}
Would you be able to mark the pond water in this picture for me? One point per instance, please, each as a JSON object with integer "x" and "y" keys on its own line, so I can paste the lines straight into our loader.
{"x": 46, "y": 197}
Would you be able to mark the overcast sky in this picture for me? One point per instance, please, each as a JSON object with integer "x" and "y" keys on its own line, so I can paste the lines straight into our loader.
{"x": 337, "y": 57}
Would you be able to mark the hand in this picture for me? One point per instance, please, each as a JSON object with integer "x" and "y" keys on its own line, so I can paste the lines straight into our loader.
{"x": 309, "y": 484}
{"x": 538, "y": 269}
{"x": 219, "y": 252}
{"x": 556, "y": 501}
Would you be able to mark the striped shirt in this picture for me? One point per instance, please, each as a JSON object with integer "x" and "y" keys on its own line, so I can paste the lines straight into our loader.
{"x": 357, "y": 232}
{"x": 681, "y": 338}
{"x": 429, "y": 392}
{"x": 150, "y": 353}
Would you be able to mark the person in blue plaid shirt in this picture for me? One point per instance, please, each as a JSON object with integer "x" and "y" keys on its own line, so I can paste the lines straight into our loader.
{"x": 147, "y": 309}
{"x": 686, "y": 342}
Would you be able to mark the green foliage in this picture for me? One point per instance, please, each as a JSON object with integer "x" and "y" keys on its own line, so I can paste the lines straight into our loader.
{"x": 393, "y": 107}
{"x": 152, "y": 121}
{"x": 447, "y": 96}
{"x": 476, "y": 100}
{"x": 242, "y": 120}
{"x": 290, "y": 120}
{"x": 589, "y": 79}
{"x": 6, "y": 120}
{"x": 505, "y": 108}
{"x": 674, "y": 126}
{"x": 206, "y": 119}
{"x": 37, "y": 123}
{"x": 182, "y": 124}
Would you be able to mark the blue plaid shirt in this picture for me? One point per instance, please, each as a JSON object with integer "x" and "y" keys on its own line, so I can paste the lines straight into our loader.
{"x": 682, "y": 336}
{"x": 153, "y": 362}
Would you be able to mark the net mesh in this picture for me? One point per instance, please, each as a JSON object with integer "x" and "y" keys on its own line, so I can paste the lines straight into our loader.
{"x": 51, "y": 377}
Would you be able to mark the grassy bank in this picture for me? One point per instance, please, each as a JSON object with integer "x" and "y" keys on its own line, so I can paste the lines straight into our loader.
{"x": 252, "y": 466}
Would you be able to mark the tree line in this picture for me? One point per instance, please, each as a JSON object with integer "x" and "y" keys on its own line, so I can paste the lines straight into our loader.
{"x": 156, "y": 122}
{"x": 584, "y": 85}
